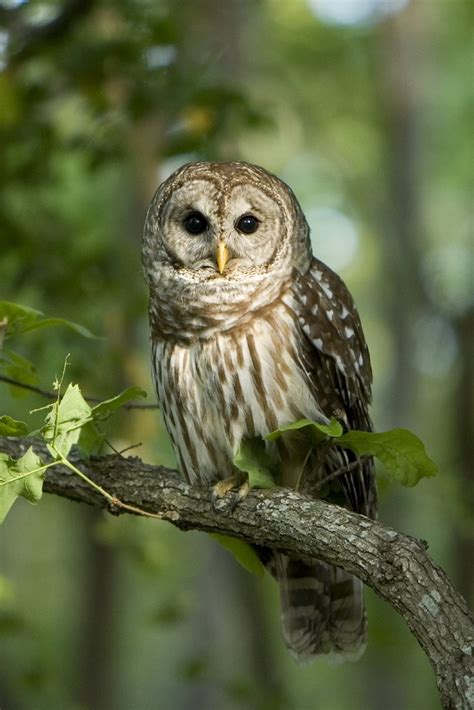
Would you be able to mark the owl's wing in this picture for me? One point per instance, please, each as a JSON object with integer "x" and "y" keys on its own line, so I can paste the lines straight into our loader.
{"x": 337, "y": 358}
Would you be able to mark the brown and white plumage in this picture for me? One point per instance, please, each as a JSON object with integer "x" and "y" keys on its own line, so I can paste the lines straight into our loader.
{"x": 241, "y": 349}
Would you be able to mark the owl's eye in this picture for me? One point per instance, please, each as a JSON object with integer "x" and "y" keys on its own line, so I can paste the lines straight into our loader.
{"x": 195, "y": 223}
{"x": 248, "y": 224}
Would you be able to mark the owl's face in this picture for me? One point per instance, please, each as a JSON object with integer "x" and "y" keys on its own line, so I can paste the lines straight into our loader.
{"x": 219, "y": 234}
{"x": 224, "y": 222}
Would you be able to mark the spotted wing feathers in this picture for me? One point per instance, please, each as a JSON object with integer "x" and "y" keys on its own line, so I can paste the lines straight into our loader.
{"x": 322, "y": 605}
{"x": 329, "y": 318}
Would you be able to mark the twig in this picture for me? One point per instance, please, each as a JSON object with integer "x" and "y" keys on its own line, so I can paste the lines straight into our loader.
{"x": 53, "y": 395}
{"x": 122, "y": 451}
{"x": 339, "y": 472}
{"x": 112, "y": 500}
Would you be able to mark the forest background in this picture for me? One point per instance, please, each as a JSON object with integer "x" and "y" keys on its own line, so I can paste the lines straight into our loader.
{"x": 362, "y": 107}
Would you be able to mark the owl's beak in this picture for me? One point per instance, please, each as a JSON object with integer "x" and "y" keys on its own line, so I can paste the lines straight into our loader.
{"x": 222, "y": 256}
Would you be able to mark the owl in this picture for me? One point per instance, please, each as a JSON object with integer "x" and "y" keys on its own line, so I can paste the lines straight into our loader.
{"x": 250, "y": 332}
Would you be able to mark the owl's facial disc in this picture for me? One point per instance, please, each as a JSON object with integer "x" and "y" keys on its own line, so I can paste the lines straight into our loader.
{"x": 212, "y": 230}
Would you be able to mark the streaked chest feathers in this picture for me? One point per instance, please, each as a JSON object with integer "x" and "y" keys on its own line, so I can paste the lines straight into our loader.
{"x": 244, "y": 382}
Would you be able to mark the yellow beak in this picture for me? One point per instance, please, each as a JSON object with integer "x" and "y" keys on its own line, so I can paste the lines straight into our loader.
{"x": 222, "y": 256}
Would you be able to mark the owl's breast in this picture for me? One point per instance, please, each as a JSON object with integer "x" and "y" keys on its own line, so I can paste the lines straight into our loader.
{"x": 244, "y": 382}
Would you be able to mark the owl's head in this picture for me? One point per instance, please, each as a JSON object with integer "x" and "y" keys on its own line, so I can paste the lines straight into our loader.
{"x": 224, "y": 222}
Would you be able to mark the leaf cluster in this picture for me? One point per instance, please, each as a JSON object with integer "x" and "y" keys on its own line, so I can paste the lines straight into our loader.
{"x": 401, "y": 452}
{"x": 69, "y": 421}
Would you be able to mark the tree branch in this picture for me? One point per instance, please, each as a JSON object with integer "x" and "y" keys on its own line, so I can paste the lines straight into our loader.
{"x": 396, "y": 566}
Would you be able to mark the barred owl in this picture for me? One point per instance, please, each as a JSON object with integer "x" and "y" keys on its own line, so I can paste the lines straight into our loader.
{"x": 250, "y": 332}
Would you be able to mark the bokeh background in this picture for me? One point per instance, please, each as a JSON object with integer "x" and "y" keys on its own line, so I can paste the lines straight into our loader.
{"x": 362, "y": 107}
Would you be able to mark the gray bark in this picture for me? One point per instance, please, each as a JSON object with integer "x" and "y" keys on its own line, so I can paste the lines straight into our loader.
{"x": 396, "y": 566}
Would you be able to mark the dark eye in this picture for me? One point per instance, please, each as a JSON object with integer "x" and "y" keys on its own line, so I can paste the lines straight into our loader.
{"x": 248, "y": 224}
{"x": 195, "y": 223}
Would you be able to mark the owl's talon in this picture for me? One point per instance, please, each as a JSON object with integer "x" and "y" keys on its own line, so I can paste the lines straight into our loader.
{"x": 242, "y": 491}
{"x": 227, "y": 494}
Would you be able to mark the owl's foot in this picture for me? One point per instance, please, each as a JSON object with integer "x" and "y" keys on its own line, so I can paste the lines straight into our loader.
{"x": 227, "y": 494}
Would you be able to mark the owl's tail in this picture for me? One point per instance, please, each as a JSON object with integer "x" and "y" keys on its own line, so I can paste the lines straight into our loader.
{"x": 322, "y": 610}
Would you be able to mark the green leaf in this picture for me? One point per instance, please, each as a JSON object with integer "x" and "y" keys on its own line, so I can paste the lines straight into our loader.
{"x": 63, "y": 322}
{"x": 104, "y": 409}
{"x": 317, "y": 431}
{"x": 90, "y": 440}
{"x": 401, "y": 452}
{"x": 18, "y": 368}
{"x": 64, "y": 420}
{"x": 14, "y": 482}
{"x": 254, "y": 460}
{"x": 12, "y": 427}
{"x": 22, "y": 319}
{"x": 243, "y": 553}
{"x": 333, "y": 429}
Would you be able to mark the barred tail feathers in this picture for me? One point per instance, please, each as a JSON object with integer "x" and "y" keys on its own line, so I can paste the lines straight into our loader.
{"x": 322, "y": 610}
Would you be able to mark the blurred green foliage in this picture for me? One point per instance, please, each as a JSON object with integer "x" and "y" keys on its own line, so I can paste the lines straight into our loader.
{"x": 368, "y": 121}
